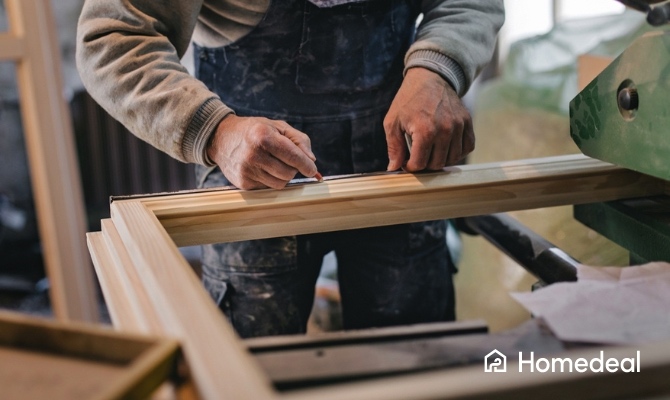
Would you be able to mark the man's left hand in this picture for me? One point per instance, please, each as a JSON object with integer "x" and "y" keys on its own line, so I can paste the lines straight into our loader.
{"x": 428, "y": 109}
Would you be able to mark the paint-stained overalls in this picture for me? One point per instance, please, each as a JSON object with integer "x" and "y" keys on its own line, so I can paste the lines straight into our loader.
{"x": 331, "y": 73}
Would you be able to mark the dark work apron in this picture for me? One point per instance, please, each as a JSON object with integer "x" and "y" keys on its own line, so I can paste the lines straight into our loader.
{"x": 331, "y": 73}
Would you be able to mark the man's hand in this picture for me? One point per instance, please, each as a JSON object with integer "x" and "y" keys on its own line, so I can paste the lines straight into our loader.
{"x": 255, "y": 152}
{"x": 428, "y": 109}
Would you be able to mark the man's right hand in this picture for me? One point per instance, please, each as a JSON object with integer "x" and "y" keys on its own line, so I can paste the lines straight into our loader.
{"x": 255, "y": 152}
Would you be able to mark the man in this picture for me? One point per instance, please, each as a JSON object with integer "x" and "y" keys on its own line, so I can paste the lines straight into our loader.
{"x": 292, "y": 86}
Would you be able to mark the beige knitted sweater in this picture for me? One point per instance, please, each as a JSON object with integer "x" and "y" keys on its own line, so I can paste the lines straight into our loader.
{"x": 128, "y": 56}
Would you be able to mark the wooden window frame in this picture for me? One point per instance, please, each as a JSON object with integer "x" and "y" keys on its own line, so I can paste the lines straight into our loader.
{"x": 151, "y": 288}
{"x": 31, "y": 43}
{"x": 144, "y": 363}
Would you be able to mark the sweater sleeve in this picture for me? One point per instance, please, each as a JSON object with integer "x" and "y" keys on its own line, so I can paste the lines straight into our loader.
{"x": 128, "y": 56}
{"x": 456, "y": 39}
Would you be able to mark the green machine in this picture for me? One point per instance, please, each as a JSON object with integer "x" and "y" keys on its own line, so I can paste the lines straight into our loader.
{"x": 621, "y": 118}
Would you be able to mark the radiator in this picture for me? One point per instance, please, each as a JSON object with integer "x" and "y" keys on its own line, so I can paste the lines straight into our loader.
{"x": 115, "y": 162}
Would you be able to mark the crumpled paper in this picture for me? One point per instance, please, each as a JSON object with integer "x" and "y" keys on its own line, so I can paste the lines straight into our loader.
{"x": 609, "y": 305}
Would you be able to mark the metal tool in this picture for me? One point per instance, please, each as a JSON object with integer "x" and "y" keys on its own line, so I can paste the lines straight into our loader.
{"x": 534, "y": 253}
{"x": 300, "y": 181}
{"x": 656, "y": 16}
{"x": 621, "y": 116}
{"x": 320, "y": 178}
{"x": 408, "y": 140}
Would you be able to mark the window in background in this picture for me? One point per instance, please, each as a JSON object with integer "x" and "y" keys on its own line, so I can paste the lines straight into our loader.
{"x": 523, "y": 19}
{"x": 572, "y": 9}
{"x": 526, "y": 18}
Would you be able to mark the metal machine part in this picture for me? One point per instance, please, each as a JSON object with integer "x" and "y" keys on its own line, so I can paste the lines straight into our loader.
{"x": 620, "y": 117}
{"x": 656, "y": 16}
{"x": 640, "y": 225}
{"x": 534, "y": 253}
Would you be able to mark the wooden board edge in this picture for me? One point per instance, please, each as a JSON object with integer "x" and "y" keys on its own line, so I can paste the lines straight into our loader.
{"x": 221, "y": 367}
{"x": 147, "y": 316}
{"x": 474, "y": 383}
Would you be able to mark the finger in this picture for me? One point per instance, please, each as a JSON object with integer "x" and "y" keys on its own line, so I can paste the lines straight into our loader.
{"x": 266, "y": 171}
{"x": 285, "y": 150}
{"x": 246, "y": 183}
{"x": 456, "y": 148}
{"x": 278, "y": 169}
{"x": 268, "y": 180}
{"x": 422, "y": 148}
{"x": 396, "y": 144}
{"x": 264, "y": 175}
{"x": 468, "y": 139}
{"x": 441, "y": 150}
{"x": 299, "y": 138}
{"x": 458, "y": 143}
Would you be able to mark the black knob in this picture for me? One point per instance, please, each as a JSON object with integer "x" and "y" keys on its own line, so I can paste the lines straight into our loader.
{"x": 659, "y": 15}
{"x": 628, "y": 99}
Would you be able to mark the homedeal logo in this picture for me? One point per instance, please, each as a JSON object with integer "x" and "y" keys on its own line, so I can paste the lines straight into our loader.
{"x": 495, "y": 361}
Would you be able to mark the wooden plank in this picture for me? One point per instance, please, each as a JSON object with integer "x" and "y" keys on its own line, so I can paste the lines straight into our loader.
{"x": 298, "y": 361}
{"x": 17, "y": 330}
{"x": 220, "y": 365}
{"x": 53, "y": 161}
{"x": 11, "y": 47}
{"x": 117, "y": 296}
{"x": 126, "y": 297}
{"x": 405, "y": 332}
{"x": 147, "y": 372}
{"x": 43, "y": 359}
{"x": 142, "y": 308}
{"x": 29, "y": 375}
{"x": 209, "y": 201}
{"x": 473, "y": 383}
{"x": 224, "y": 216}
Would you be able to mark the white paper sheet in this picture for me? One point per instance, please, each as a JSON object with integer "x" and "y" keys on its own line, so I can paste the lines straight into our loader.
{"x": 618, "y": 305}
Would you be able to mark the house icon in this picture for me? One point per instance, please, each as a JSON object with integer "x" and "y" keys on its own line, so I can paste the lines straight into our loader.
{"x": 495, "y": 361}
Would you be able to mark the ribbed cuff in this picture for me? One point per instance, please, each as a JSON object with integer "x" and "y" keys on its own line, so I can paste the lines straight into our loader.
{"x": 201, "y": 128}
{"x": 441, "y": 64}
